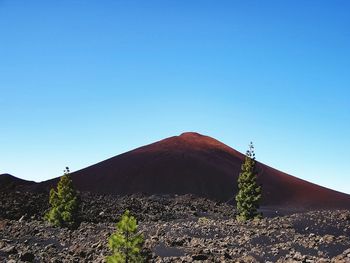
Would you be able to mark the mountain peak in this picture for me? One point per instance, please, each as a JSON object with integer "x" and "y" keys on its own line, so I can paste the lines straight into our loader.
{"x": 195, "y": 140}
{"x": 191, "y": 163}
{"x": 191, "y": 134}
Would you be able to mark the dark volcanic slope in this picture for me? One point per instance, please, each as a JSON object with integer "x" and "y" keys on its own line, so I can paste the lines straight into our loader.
{"x": 201, "y": 165}
{"x": 9, "y": 182}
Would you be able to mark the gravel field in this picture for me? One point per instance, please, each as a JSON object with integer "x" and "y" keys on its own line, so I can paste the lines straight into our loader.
{"x": 176, "y": 229}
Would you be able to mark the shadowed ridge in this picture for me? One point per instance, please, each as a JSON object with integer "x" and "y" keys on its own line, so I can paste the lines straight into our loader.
{"x": 8, "y": 181}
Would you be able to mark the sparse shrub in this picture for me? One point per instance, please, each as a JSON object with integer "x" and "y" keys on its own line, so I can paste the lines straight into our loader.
{"x": 203, "y": 220}
{"x": 126, "y": 243}
{"x": 249, "y": 192}
{"x": 64, "y": 203}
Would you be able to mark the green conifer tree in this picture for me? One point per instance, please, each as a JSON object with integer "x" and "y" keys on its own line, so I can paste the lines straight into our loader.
{"x": 64, "y": 203}
{"x": 126, "y": 243}
{"x": 249, "y": 192}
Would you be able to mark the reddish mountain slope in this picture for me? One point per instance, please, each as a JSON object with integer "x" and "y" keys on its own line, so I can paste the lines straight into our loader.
{"x": 192, "y": 163}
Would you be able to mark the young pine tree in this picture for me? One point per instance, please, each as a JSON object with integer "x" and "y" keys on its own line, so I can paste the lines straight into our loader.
{"x": 249, "y": 192}
{"x": 126, "y": 243}
{"x": 64, "y": 203}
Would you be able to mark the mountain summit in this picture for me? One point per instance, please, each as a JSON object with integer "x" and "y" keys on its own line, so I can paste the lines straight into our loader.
{"x": 197, "y": 164}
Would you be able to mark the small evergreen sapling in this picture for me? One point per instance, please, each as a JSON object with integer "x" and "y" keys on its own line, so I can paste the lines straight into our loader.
{"x": 126, "y": 243}
{"x": 249, "y": 192}
{"x": 64, "y": 203}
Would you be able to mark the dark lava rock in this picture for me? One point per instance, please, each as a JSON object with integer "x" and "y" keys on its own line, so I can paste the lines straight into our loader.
{"x": 27, "y": 256}
{"x": 200, "y": 257}
{"x": 10, "y": 250}
{"x": 172, "y": 231}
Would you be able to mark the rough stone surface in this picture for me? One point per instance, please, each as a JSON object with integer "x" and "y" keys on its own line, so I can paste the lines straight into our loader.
{"x": 176, "y": 229}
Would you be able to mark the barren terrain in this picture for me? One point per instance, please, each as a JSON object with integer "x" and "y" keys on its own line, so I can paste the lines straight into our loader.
{"x": 176, "y": 229}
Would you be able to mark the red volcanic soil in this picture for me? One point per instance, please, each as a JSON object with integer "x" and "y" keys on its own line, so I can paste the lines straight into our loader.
{"x": 200, "y": 165}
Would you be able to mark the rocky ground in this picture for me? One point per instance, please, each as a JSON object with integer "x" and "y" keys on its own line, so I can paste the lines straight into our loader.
{"x": 176, "y": 229}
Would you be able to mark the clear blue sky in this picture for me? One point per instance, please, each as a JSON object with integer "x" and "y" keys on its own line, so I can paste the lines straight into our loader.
{"x": 81, "y": 81}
